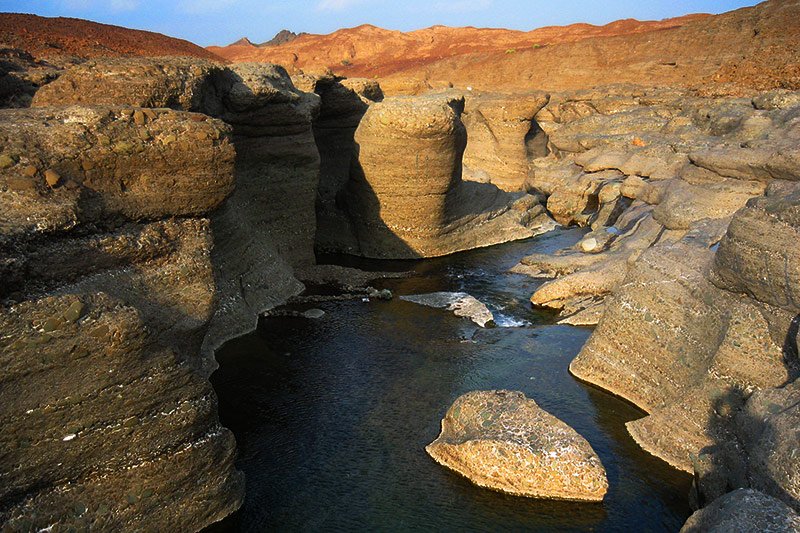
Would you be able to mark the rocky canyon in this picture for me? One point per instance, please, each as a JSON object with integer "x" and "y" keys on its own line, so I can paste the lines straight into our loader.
{"x": 157, "y": 198}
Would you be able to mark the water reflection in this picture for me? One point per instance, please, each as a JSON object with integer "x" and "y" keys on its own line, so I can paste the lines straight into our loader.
{"x": 332, "y": 415}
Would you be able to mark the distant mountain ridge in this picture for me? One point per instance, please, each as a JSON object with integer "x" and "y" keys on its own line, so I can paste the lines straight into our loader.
{"x": 738, "y": 51}
{"x": 45, "y": 37}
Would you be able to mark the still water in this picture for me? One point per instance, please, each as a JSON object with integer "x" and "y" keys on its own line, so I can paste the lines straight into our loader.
{"x": 332, "y": 415}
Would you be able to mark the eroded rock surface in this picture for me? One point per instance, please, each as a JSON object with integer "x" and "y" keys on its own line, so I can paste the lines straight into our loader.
{"x": 503, "y": 136}
{"x": 504, "y": 441}
{"x": 267, "y": 227}
{"x": 405, "y": 196}
{"x": 744, "y": 511}
{"x": 633, "y": 164}
{"x": 105, "y": 260}
{"x": 460, "y": 303}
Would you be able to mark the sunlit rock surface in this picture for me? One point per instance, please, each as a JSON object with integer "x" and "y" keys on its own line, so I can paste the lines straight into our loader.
{"x": 503, "y": 441}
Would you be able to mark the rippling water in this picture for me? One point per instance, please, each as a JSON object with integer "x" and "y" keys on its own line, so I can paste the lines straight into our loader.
{"x": 332, "y": 415}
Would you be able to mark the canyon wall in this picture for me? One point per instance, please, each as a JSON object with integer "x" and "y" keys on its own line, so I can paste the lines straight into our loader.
{"x": 108, "y": 293}
{"x": 137, "y": 236}
{"x": 689, "y": 272}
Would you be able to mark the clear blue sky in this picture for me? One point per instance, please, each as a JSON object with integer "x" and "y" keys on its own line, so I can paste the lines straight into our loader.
{"x": 208, "y": 22}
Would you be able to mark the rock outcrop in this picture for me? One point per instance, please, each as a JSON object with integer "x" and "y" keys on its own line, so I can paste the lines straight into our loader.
{"x": 105, "y": 260}
{"x": 460, "y": 303}
{"x": 267, "y": 227}
{"x": 21, "y": 75}
{"x": 343, "y": 103}
{"x": 503, "y": 136}
{"x": 504, "y": 441}
{"x": 744, "y": 511}
{"x": 406, "y": 197}
{"x": 135, "y": 240}
{"x": 634, "y": 165}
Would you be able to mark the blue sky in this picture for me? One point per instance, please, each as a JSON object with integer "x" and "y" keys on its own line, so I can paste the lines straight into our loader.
{"x": 208, "y": 22}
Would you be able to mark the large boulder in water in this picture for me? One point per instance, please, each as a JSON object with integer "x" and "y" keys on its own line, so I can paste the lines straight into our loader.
{"x": 503, "y": 441}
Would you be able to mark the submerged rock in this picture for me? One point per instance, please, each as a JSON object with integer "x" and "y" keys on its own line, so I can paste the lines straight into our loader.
{"x": 461, "y": 303}
{"x": 504, "y": 441}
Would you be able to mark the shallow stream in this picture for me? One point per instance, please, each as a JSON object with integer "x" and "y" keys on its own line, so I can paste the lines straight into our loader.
{"x": 332, "y": 415}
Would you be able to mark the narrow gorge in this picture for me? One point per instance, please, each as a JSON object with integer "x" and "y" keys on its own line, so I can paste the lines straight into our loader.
{"x": 237, "y": 296}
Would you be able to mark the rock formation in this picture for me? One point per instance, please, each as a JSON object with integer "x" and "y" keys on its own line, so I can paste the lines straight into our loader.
{"x": 743, "y": 511}
{"x": 503, "y": 441}
{"x": 343, "y": 104}
{"x": 107, "y": 277}
{"x": 693, "y": 278}
{"x": 405, "y": 196}
{"x": 636, "y": 166}
{"x": 460, "y": 303}
{"x": 267, "y": 227}
{"x": 21, "y": 75}
{"x": 503, "y": 136}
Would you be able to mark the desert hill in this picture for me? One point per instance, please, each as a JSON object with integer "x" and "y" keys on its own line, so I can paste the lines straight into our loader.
{"x": 750, "y": 48}
{"x": 370, "y": 51}
{"x": 45, "y": 37}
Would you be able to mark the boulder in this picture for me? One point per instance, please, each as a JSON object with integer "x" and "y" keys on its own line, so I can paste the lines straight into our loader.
{"x": 461, "y": 303}
{"x": 504, "y": 441}
{"x": 744, "y": 511}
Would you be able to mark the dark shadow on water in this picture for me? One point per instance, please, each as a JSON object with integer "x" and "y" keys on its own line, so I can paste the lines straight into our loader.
{"x": 332, "y": 416}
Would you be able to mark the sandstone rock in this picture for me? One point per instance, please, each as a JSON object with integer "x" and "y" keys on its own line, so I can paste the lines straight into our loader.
{"x": 683, "y": 350}
{"x": 503, "y": 135}
{"x": 406, "y": 197}
{"x": 744, "y": 511}
{"x": 267, "y": 227}
{"x": 178, "y": 83}
{"x": 759, "y": 254}
{"x": 129, "y": 314}
{"x": 683, "y": 203}
{"x": 343, "y": 103}
{"x": 119, "y": 175}
{"x": 461, "y": 303}
{"x": 504, "y": 441}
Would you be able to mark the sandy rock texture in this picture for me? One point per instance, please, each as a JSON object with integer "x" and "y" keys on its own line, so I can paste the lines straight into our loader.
{"x": 406, "y": 197}
{"x": 626, "y": 161}
{"x": 503, "y": 136}
{"x": 343, "y": 103}
{"x": 744, "y": 511}
{"x": 105, "y": 260}
{"x": 267, "y": 227}
{"x": 503, "y": 441}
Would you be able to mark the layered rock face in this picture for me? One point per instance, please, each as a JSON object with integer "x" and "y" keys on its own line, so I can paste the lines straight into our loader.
{"x": 343, "y": 103}
{"x": 107, "y": 295}
{"x": 636, "y": 166}
{"x": 503, "y": 137}
{"x": 504, "y": 441}
{"x": 690, "y": 269}
{"x": 405, "y": 196}
{"x": 267, "y": 227}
